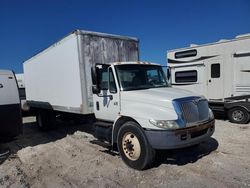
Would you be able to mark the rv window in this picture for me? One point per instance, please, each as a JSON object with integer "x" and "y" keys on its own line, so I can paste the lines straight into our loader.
{"x": 186, "y": 76}
{"x": 187, "y": 53}
{"x": 215, "y": 70}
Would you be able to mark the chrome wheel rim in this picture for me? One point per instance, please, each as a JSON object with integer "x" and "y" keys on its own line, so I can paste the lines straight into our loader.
{"x": 238, "y": 115}
{"x": 131, "y": 146}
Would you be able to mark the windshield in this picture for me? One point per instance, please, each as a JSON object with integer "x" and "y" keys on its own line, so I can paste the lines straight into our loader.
{"x": 133, "y": 77}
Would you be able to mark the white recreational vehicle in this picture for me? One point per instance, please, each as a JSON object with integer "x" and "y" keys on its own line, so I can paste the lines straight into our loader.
{"x": 10, "y": 110}
{"x": 220, "y": 71}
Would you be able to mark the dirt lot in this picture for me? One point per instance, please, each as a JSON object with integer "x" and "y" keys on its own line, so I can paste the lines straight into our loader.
{"x": 69, "y": 157}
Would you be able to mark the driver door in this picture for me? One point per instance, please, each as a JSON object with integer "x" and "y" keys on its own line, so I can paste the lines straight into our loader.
{"x": 107, "y": 102}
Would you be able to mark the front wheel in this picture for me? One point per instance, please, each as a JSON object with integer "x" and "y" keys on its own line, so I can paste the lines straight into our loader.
{"x": 134, "y": 147}
{"x": 238, "y": 115}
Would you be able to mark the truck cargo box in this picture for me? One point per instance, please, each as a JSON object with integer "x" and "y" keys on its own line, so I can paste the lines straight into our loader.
{"x": 59, "y": 77}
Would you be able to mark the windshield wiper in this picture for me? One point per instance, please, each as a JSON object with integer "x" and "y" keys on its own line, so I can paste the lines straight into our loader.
{"x": 137, "y": 88}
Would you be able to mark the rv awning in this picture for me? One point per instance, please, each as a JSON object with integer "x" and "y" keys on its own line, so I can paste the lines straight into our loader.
{"x": 241, "y": 53}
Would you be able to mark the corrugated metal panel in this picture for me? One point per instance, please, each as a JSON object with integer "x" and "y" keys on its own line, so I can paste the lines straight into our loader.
{"x": 106, "y": 50}
{"x": 104, "y": 35}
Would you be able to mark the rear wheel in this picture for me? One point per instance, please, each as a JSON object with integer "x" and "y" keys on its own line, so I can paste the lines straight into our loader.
{"x": 46, "y": 119}
{"x": 238, "y": 115}
{"x": 134, "y": 147}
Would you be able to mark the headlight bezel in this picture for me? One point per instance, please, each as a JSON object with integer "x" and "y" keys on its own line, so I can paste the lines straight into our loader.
{"x": 165, "y": 124}
{"x": 211, "y": 114}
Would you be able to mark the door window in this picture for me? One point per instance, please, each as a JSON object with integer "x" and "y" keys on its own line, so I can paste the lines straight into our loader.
{"x": 112, "y": 86}
{"x": 103, "y": 78}
{"x": 215, "y": 70}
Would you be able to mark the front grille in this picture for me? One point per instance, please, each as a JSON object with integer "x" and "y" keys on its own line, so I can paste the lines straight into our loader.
{"x": 194, "y": 110}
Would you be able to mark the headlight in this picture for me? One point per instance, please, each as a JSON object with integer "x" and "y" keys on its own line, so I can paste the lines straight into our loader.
{"x": 211, "y": 114}
{"x": 165, "y": 124}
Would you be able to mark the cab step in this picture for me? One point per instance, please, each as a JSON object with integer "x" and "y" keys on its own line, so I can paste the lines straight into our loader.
{"x": 103, "y": 124}
{"x": 103, "y": 131}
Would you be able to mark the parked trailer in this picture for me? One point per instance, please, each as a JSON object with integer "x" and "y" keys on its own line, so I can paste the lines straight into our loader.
{"x": 89, "y": 73}
{"x": 22, "y": 94}
{"x": 21, "y": 85}
{"x": 10, "y": 110}
{"x": 220, "y": 71}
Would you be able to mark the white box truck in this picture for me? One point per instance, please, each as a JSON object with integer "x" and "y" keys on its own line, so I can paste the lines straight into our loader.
{"x": 135, "y": 108}
{"x": 10, "y": 108}
{"x": 220, "y": 71}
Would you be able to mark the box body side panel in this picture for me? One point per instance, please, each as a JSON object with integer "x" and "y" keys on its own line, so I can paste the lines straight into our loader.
{"x": 53, "y": 76}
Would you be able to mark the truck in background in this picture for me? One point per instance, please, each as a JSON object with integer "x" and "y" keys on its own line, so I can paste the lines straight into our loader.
{"x": 136, "y": 111}
{"x": 220, "y": 71}
{"x": 21, "y": 87}
{"x": 10, "y": 109}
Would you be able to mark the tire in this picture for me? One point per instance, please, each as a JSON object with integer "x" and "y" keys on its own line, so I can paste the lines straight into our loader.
{"x": 134, "y": 147}
{"x": 238, "y": 115}
{"x": 45, "y": 119}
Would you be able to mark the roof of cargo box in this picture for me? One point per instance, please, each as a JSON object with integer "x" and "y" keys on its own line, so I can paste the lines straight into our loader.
{"x": 84, "y": 32}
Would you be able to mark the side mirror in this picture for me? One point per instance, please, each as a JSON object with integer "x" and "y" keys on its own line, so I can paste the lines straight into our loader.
{"x": 94, "y": 75}
{"x": 95, "y": 89}
{"x": 168, "y": 74}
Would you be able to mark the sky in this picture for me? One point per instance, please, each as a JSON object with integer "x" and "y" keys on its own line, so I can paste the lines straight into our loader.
{"x": 29, "y": 26}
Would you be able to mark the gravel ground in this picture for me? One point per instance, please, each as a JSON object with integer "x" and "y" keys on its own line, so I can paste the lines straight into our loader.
{"x": 69, "y": 156}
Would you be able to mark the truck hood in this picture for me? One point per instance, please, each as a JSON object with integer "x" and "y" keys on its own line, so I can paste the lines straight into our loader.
{"x": 155, "y": 103}
{"x": 156, "y": 96}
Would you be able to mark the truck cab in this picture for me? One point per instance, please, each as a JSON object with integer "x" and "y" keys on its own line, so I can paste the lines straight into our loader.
{"x": 138, "y": 111}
